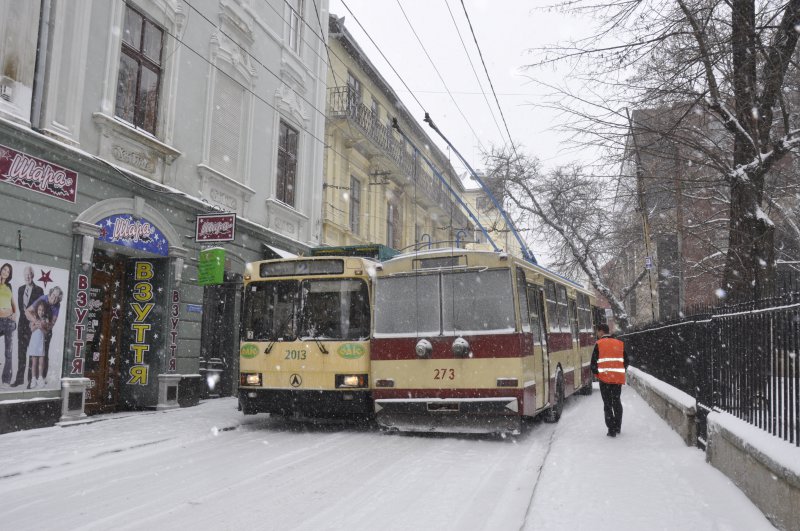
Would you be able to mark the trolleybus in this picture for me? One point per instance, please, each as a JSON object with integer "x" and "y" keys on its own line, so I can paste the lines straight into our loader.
{"x": 304, "y": 348}
{"x": 475, "y": 341}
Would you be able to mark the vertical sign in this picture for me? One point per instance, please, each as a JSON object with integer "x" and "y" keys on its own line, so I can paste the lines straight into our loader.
{"x": 174, "y": 318}
{"x": 143, "y": 352}
{"x": 81, "y": 310}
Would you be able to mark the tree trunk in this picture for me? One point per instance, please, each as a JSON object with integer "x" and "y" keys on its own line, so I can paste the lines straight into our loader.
{"x": 750, "y": 263}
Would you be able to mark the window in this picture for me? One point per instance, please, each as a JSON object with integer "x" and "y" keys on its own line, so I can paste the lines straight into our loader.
{"x": 522, "y": 295}
{"x": 376, "y": 109}
{"x": 477, "y": 302}
{"x": 226, "y": 126}
{"x": 139, "y": 71}
{"x": 584, "y": 313}
{"x": 354, "y": 92}
{"x": 534, "y": 309}
{"x": 295, "y": 24}
{"x": 287, "y": 163}
{"x": 483, "y": 204}
{"x": 355, "y": 205}
{"x": 552, "y": 304}
{"x": 563, "y": 310}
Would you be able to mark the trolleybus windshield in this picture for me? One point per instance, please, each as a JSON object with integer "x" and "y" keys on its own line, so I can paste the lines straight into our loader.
{"x": 454, "y": 302}
{"x": 287, "y": 310}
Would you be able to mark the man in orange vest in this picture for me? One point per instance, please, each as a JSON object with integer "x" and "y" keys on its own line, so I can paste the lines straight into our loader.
{"x": 609, "y": 362}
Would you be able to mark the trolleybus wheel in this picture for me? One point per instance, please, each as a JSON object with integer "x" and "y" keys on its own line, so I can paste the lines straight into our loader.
{"x": 586, "y": 390}
{"x": 554, "y": 413}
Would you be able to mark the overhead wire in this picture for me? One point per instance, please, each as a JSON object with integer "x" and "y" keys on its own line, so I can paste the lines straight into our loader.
{"x": 472, "y": 66}
{"x": 425, "y": 50}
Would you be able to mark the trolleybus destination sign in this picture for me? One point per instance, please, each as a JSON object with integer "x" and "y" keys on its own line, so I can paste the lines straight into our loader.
{"x": 215, "y": 227}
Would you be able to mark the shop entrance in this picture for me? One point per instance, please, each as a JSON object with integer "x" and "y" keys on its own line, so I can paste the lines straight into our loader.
{"x": 104, "y": 332}
{"x": 220, "y": 336}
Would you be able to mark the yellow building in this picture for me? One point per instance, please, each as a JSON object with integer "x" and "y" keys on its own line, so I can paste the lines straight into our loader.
{"x": 481, "y": 205}
{"x": 376, "y": 190}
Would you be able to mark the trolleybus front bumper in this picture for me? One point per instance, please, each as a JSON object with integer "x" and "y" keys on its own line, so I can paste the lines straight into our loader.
{"x": 306, "y": 403}
{"x": 462, "y": 415}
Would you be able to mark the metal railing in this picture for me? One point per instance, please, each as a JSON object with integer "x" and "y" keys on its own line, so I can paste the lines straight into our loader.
{"x": 741, "y": 359}
{"x": 346, "y": 103}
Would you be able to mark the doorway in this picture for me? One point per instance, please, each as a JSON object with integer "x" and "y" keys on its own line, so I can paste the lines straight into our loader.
{"x": 103, "y": 332}
{"x": 219, "y": 337}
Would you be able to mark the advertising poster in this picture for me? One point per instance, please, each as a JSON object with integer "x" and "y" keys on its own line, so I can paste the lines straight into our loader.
{"x": 33, "y": 307}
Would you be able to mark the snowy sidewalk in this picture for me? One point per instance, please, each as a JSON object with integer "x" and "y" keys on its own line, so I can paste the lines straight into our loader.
{"x": 646, "y": 478}
{"x": 209, "y": 467}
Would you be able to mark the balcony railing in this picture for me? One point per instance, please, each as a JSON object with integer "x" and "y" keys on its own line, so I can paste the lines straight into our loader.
{"x": 346, "y": 103}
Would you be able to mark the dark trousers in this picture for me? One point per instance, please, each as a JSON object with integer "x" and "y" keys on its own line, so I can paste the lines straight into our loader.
{"x": 23, "y": 340}
{"x": 612, "y": 406}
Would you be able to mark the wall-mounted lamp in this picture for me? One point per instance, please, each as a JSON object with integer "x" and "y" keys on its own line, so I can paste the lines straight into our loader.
{"x": 87, "y": 247}
{"x": 178, "y": 264}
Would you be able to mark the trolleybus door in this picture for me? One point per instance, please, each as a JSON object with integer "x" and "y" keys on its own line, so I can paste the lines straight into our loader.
{"x": 539, "y": 330}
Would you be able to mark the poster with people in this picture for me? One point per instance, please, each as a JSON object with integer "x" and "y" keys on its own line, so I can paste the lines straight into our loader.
{"x": 32, "y": 325}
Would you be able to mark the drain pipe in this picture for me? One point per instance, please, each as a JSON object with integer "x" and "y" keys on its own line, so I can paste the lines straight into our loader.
{"x": 40, "y": 69}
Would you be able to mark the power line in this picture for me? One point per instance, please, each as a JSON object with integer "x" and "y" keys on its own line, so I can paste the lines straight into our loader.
{"x": 421, "y": 106}
{"x": 485, "y": 69}
{"x": 440, "y": 75}
{"x": 472, "y": 66}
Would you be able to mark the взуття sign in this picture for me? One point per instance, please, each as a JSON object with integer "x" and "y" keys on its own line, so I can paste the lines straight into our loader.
{"x": 38, "y": 175}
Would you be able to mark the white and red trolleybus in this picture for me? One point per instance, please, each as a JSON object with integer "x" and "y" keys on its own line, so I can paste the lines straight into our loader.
{"x": 304, "y": 348}
{"x": 475, "y": 341}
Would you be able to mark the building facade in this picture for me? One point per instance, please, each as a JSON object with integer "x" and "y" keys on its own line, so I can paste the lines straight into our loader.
{"x": 377, "y": 188}
{"x": 120, "y": 122}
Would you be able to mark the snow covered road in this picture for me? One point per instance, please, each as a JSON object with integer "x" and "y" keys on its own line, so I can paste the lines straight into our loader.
{"x": 209, "y": 467}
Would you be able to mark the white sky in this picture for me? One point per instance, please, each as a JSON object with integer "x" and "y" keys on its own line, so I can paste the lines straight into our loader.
{"x": 505, "y": 31}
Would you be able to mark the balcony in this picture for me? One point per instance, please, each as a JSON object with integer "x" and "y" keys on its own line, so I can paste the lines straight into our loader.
{"x": 345, "y": 104}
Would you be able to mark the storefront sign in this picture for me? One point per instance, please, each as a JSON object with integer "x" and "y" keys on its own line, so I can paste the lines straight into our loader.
{"x": 211, "y": 267}
{"x": 46, "y": 302}
{"x": 81, "y": 321}
{"x": 38, "y": 175}
{"x": 215, "y": 227}
{"x": 174, "y": 318}
{"x": 135, "y": 233}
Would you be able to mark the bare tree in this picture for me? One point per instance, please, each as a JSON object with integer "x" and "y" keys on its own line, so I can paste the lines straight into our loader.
{"x": 567, "y": 208}
{"x": 730, "y": 61}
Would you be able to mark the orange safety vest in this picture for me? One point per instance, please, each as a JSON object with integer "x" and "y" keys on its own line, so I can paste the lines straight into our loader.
{"x": 610, "y": 360}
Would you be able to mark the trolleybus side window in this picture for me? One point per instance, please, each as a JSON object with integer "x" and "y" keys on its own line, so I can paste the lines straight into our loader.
{"x": 563, "y": 312}
{"x": 522, "y": 295}
{"x": 407, "y": 305}
{"x": 479, "y": 301}
{"x": 552, "y": 305}
{"x": 584, "y": 313}
{"x": 534, "y": 303}
{"x": 573, "y": 319}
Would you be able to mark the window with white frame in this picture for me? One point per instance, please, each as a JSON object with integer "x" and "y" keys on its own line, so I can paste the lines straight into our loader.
{"x": 295, "y": 24}
{"x": 287, "y": 163}
{"x": 18, "y": 35}
{"x": 140, "y": 71}
{"x": 355, "y": 205}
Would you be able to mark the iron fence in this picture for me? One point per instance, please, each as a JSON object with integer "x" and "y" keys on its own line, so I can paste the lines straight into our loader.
{"x": 741, "y": 359}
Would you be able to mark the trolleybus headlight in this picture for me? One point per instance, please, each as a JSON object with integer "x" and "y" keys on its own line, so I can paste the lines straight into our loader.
{"x": 250, "y": 379}
{"x": 507, "y": 382}
{"x": 423, "y": 348}
{"x": 351, "y": 380}
{"x": 461, "y": 348}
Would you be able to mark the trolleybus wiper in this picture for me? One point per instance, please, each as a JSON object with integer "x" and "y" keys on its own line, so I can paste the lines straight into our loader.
{"x": 320, "y": 345}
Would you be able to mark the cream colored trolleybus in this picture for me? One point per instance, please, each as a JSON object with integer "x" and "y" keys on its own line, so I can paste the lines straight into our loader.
{"x": 474, "y": 341}
{"x": 305, "y": 337}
